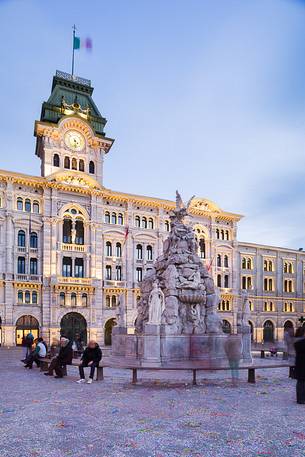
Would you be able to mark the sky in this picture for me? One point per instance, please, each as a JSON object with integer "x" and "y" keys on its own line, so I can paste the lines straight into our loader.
{"x": 204, "y": 96}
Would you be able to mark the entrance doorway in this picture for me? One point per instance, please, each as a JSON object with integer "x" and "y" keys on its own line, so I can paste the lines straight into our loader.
{"x": 25, "y": 325}
{"x": 108, "y": 331}
{"x": 74, "y": 327}
{"x": 268, "y": 332}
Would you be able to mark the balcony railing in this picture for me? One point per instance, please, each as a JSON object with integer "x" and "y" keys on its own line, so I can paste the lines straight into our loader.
{"x": 72, "y": 280}
{"x": 73, "y": 247}
{"x": 25, "y": 277}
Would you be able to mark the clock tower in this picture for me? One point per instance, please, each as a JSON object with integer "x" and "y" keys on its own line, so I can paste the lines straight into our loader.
{"x": 70, "y": 133}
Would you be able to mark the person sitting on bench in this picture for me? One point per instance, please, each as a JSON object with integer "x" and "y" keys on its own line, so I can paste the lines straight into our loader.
{"x": 63, "y": 358}
{"x": 38, "y": 353}
{"x": 90, "y": 358}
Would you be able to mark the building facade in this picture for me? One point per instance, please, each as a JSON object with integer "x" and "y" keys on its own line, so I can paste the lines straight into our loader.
{"x": 71, "y": 247}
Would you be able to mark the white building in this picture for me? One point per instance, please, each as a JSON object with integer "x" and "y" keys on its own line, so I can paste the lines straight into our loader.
{"x": 70, "y": 247}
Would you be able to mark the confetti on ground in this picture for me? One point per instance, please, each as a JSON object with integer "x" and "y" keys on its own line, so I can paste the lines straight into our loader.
{"x": 163, "y": 418}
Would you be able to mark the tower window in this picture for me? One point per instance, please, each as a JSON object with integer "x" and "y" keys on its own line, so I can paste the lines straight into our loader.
{"x": 56, "y": 160}
{"x": 79, "y": 268}
{"x": 118, "y": 269}
{"x": 120, "y": 219}
{"x": 19, "y": 204}
{"x": 62, "y": 299}
{"x": 118, "y": 250}
{"x": 28, "y": 205}
{"x": 21, "y": 238}
{"x": 108, "y": 249}
{"x": 21, "y": 265}
{"x": 67, "y": 162}
{"x": 67, "y": 267}
{"x": 91, "y": 167}
{"x": 36, "y": 207}
{"x": 74, "y": 164}
{"x": 81, "y": 165}
{"x": 107, "y": 217}
{"x": 139, "y": 274}
{"x": 108, "y": 272}
{"x": 34, "y": 240}
{"x": 139, "y": 252}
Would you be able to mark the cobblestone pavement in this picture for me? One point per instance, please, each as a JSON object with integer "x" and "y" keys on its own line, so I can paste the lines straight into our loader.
{"x": 46, "y": 417}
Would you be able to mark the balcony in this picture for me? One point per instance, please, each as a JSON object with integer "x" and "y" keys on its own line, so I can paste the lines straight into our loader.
{"x": 72, "y": 280}
{"x": 114, "y": 283}
{"x": 30, "y": 278}
{"x": 73, "y": 247}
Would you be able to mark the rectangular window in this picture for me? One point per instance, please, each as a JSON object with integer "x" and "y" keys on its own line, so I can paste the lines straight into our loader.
{"x": 33, "y": 266}
{"x": 21, "y": 265}
{"x": 79, "y": 268}
{"x": 67, "y": 267}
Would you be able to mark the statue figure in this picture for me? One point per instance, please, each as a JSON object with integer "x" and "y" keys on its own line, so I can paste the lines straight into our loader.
{"x": 246, "y": 312}
{"x": 192, "y": 282}
{"x": 181, "y": 209}
{"x": 156, "y": 304}
{"x": 171, "y": 275}
{"x": 121, "y": 312}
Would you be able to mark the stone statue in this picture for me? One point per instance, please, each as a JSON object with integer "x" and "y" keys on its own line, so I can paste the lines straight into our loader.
{"x": 243, "y": 326}
{"x": 171, "y": 276}
{"x": 121, "y": 312}
{"x": 246, "y": 312}
{"x": 156, "y": 305}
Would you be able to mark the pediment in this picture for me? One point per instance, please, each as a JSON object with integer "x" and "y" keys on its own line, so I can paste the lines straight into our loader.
{"x": 204, "y": 205}
{"x": 75, "y": 179}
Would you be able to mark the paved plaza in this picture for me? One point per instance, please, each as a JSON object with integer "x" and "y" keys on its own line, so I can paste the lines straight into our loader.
{"x": 162, "y": 416}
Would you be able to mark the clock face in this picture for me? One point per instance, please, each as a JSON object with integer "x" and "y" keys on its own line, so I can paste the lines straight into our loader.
{"x": 74, "y": 140}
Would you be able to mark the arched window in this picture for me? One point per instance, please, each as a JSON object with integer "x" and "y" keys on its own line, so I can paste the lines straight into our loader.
{"x": 79, "y": 267}
{"x": 107, "y": 217}
{"x": 20, "y": 204}
{"x": 144, "y": 222}
{"x": 139, "y": 272}
{"x": 21, "y": 266}
{"x": 107, "y": 301}
{"x": 118, "y": 250}
{"x": 113, "y": 218}
{"x": 67, "y": 231}
{"x": 91, "y": 167}
{"x": 21, "y": 238}
{"x": 249, "y": 282}
{"x": 226, "y": 326}
{"x": 149, "y": 253}
{"x": 35, "y": 207}
{"x": 270, "y": 284}
{"x": 218, "y": 280}
{"x": 62, "y": 299}
{"x": 227, "y": 235}
{"x": 27, "y": 297}
{"x": 226, "y": 261}
{"x": 81, "y": 165}
{"x": 56, "y": 160}
{"x": 150, "y": 223}
{"x": 217, "y": 234}
{"x": 219, "y": 260}
{"x": 137, "y": 221}
{"x": 28, "y": 205}
{"x": 222, "y": 234}
{"x": 167, "y": 226}
{"x": 113, "y": 301}
{"x": 84, "y": 299}
{"x": 74, "y": 164}
{"x": 67, "y": 267}
{"x": 73, "y": 299}
{"x": 270, "y": 265}
{"x": 244, "y": 263}
{"x": 20, "y": 296}
{"x": 33, "y": 266}
{"x": 108, "y": 249}
{"x": 139, "y": 251}
{"x": 108, "y": 272}
{"x": 120, "y": 219}
{"x": 118, "y": 273}
{"x": 201, "y": 246}
{"x": 34, "y": 297}
{"x": 34, "y": 240}
{"x": 79, "y": 232}
{"x": 67, "y": 162}
{"x": 249, "y": 263}
{"x": 268, "y": 332}
{"x": 226, "y": 281}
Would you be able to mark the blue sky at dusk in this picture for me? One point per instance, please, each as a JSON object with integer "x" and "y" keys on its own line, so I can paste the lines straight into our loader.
{"x": 204, "y": 96}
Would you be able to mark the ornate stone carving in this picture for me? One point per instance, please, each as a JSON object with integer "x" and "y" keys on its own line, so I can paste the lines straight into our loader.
{"x": 179, "y": 292}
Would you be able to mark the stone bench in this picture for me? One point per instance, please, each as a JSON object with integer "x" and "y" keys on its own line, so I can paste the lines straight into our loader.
{"x": 251, "y": 370}
{"x": 45, "y": 363}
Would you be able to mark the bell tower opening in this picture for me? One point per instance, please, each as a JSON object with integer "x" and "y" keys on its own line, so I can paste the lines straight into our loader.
{"x": 70, "y": 133}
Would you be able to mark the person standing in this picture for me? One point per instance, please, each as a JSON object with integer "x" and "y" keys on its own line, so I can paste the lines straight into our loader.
{"x": 299, "y": 372}
{"x": 90, "y": 358}
{"x": 63, "y": 358}
{"x": 27, "y": 343}
{"x": 233, "y": 351}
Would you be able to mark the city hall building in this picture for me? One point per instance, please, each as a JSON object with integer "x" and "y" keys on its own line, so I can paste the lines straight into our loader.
{"x": 71, "y": 247}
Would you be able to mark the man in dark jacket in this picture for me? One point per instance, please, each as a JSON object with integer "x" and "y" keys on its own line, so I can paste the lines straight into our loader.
{"x": 63, "y": 358}
{"x": 300, "y": 364}
{"x": 90, "y": 358}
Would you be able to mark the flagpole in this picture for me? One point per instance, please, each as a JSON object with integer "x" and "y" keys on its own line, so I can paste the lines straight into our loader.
{"x": 73, "y": 28}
